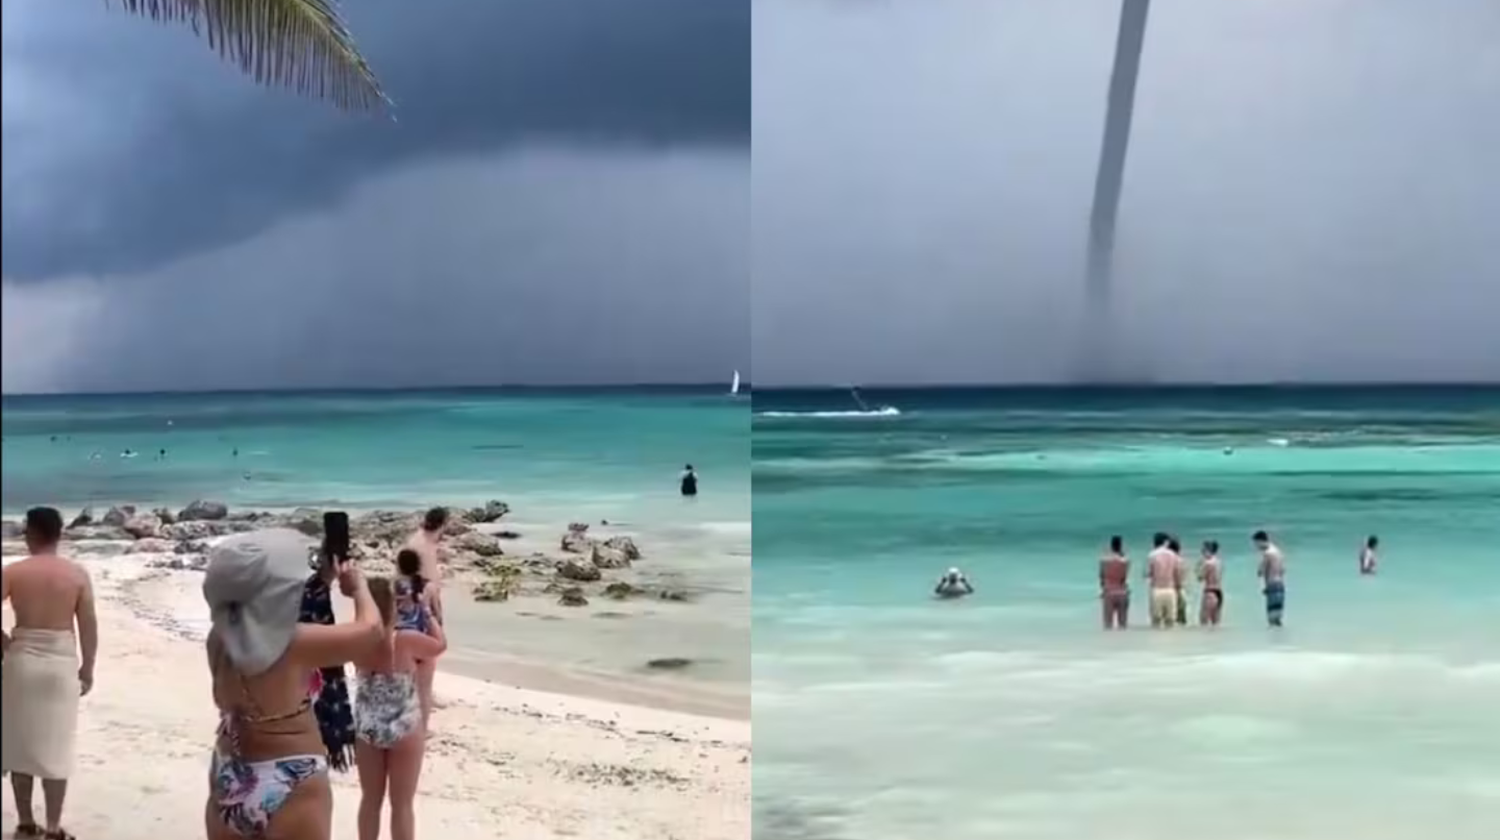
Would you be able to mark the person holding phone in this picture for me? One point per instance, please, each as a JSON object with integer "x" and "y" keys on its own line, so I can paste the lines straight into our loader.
{"x": 269, "y": 770}
{"x": 331, "y": 707}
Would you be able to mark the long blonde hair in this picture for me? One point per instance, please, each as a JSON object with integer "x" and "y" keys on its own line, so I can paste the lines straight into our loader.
{"x": 384, "y": 597}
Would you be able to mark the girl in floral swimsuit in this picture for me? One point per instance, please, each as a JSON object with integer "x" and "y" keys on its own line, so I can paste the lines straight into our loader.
{"x": 388, "y": 717}
{"x": 268, "y": 777}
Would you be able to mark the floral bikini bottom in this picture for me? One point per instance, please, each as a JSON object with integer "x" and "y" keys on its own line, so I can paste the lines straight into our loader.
{"x": 249, "y": 793}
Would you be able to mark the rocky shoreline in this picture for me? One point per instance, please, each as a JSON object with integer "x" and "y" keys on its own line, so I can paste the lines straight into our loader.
{"x": 583, "y": 567}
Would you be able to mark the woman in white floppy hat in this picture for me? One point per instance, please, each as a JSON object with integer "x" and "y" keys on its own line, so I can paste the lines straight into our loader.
{"x": 269, "y": 778}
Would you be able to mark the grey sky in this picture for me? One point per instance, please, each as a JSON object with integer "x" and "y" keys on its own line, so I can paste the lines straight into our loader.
{"x": 564, "y": 197}
{"x": 1312, "y": 191}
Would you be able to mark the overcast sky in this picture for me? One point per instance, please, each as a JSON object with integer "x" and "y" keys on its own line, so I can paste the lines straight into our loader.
{"x": 563, "y": 198}
{"x": 1312, "y": 189}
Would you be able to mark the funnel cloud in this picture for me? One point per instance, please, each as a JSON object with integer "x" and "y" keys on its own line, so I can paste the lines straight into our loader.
{"x": 1310, "y": 193}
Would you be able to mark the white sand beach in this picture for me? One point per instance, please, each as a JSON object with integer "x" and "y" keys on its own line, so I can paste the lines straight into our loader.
{"x": 504, "y": 762}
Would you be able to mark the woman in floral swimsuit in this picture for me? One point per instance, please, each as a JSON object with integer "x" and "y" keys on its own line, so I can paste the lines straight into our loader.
{"x": 269, "y": 773}
{"x": 391, "y": 737}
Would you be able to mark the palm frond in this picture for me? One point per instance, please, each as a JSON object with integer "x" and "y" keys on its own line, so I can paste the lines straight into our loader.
{"x": 303, "y": 45}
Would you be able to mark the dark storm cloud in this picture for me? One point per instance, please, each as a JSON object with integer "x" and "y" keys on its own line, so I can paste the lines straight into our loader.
{"x": 1311, "y": 192}
{"x": 127, "y": 144}
{"x": 564, "y": 198}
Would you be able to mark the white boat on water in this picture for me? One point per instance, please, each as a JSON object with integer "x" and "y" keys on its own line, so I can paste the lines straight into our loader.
{"x": 734, "y": 385}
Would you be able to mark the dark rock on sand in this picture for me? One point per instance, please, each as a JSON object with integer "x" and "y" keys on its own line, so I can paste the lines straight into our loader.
{"x": 117, "y": 516}
{"x": 202, "y": 510}
{"x": 673, "y": 595}
{"x": 608, "y": 558}
{"x": 197, "y": 530}
{"x": 576, "y": 542}
{"x": 492, "y": 590}
{"x": 305, "y": 520}
{"x": 142, "y": 526}
{"x": 572, "y": 569}
{"x": 670, "y": 663}
{"x": 620, "y": 590}
{"x": 165, "y": 516}
{"x": 624, "y": 545}
{"x": 507, "y": 535}
{"x": 573, "y": 597}
{"x": 492, "y": 511}
{"x": 478, "y": 543}
{"x": 85, "y": 517}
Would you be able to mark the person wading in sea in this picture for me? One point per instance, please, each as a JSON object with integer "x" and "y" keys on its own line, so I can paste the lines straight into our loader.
{"x": 1114, "y": 585}
{"x": 1272, "y": 573}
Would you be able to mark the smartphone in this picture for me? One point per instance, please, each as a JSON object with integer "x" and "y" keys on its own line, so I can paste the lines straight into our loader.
{"x": 336, "y": 535}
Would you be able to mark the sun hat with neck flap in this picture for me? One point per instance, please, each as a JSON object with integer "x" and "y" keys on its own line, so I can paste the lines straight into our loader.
{"x": 253, "y": 585}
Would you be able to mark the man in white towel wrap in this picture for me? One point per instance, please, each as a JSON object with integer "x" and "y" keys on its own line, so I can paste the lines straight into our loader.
{"x": 43, "y": 676}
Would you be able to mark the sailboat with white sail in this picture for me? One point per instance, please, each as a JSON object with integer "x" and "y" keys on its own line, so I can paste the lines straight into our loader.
{"x": 734, "y": 385}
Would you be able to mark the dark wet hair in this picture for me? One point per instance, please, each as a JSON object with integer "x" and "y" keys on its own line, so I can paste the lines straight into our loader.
{"x": 384, "y": 597}
{"x": 409, "y": 563}
{"x": 1175, "y": 545}
{"x": 1211, "y": 546}
{"x": 1117, "y": 543}
{"x": 45, "y": 525}
{"x": 689, "y": 467}
{"x": 1261, "y": 536}
{"x": 1160, "y": 539}
{"x": 1372, "y": 541}
{"x": 435, "y": 519}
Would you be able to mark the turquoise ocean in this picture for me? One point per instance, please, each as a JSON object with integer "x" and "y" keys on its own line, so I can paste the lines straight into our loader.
{"x": 555, "y": 456}
{"x": 882, "y": 714}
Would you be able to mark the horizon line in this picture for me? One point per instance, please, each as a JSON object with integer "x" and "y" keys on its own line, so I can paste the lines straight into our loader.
{"x": 749, "y": 386}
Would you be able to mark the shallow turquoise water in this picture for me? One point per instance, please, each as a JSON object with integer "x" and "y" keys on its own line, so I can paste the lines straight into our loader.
{"x": 880, "y": 713}
{"x": 555, "y": 456}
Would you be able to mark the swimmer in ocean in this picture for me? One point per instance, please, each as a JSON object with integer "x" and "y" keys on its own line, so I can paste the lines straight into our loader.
{"x": 1164, "y": 572}
{"x": 953, "y": 584}
{"x": 1367, "y": 558}
{"x": 1114, "y": 585}
{"x": 1272, "y": 572}
{"x": 688, "y": 483}
{"x": 1211, "y": 575}
{"x": 1182, "y": 598}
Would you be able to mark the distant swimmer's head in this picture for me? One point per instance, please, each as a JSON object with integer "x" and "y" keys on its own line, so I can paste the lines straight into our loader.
{"x": 435, "y": 520}
{"x": 1372, "y": 542}
{"x": 1175, "y": 544}
{"x": 1160, "y": 538}
{"x": 688, "y": 467}
{"x": 1210, "y": 548}
{"x": 44, "y": 527}
{"x": 1261, "y": 539}
{"x": 1117, "y": 544}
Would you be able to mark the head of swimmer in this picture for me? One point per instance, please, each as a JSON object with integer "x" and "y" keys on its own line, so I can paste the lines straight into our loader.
{"x": 1372, "y": 542}
{"x": 1210, "y": 548}
{"x": 1160, "y": 539}
{"x": 44, "y": 527}
{"x": 435, "y": 520}
{"x": 1117, "y": 544}
{"x": 1261, "y": 539}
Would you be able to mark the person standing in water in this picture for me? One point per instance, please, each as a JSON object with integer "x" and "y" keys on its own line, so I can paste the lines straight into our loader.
{"x": 1164, "y": 571}
{"x": 1367, "y": 555}
{"x": 689, "y": 481}
{"x": 1114, "y": 585}
{"x": 1211, "y": 575}
{"x": 1182, "y": 597}
{"x": 1272, "y": 572}
{"x": 47, "y": 669}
